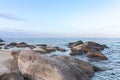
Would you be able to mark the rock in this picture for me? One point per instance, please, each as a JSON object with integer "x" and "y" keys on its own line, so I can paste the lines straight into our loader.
{"x": 1, "y": 40}
{"x": 95, "y": 45}
{"x": 0, "y": 47}
{"x": 40, "y": 50}
{"x": 15, "y": 54}
{"x": 31, "y": 46}
{"x": 44, "y": 45}
{"x": 39, "y": 67}
{"x": 22, "y": 44}
{"x": 96, "y": 54}
{"x": 3, "y": 70}
{"x": 2, "y": 44}
{"x": 9, "y": 61}
{"x": 51, "y": 49}
{"x": 84, "y": 66}
{"x": 11, "y": 76}
{"x": 61, "y": 49}
{"x": 79, "y": 49}
{"x": 75, "y": 43}
{"x": 13, "y": 44}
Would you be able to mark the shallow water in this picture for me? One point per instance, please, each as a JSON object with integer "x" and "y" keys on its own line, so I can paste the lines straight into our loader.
{"x": 111, "y": 66}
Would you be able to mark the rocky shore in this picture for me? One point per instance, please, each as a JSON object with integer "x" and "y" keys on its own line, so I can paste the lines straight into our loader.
{"x": 35, "y": 64}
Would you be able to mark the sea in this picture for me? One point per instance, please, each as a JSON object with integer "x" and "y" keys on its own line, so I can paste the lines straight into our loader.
{"x": 110, "y": 67}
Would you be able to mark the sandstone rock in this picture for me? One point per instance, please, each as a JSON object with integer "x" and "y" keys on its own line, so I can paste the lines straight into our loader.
{"x": 96, "y": 54}
{"x": 75, "y": 43}
{"x": 84, "y": 66}
{"x": 40, "y": 67}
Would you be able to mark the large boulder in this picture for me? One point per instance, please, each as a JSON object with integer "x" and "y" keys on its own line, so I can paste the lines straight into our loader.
{"x": 80, "y": 49}
{"x": 96, "y": 45}
{"x": 39, "y": 67}
{"x": 96, "y": 54}
{"x": 84, "y": 66}
{"x": 72, "y": 44}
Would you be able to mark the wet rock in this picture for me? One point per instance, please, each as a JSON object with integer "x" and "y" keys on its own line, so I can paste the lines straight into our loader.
{"x": 1, "y": 40}
{"x": 96, "y": 54}
{"x": 40, "y": 67}
{"x": 3, "y": 70}
{"x": 84, "y": 66}
{"x": 22, "y": 44}
{"x": 75, "y": 43}
{"x": 11, "y": 76}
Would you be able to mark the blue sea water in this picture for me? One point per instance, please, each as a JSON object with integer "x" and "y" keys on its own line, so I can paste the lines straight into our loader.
{"x": 111, "y": 66}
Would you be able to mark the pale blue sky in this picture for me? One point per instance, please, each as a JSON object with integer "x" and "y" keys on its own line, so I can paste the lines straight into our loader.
{"x": 60, "y": 18}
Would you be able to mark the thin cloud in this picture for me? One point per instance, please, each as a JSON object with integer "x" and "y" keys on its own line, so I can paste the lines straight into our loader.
{"x": 9, "y": 16}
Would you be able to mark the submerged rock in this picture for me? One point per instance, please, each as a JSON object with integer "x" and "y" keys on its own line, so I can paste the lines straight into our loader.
{"x": 39, "y": 67}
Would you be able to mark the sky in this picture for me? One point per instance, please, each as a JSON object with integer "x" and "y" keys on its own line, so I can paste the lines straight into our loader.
{"x": 60, "y": 18}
